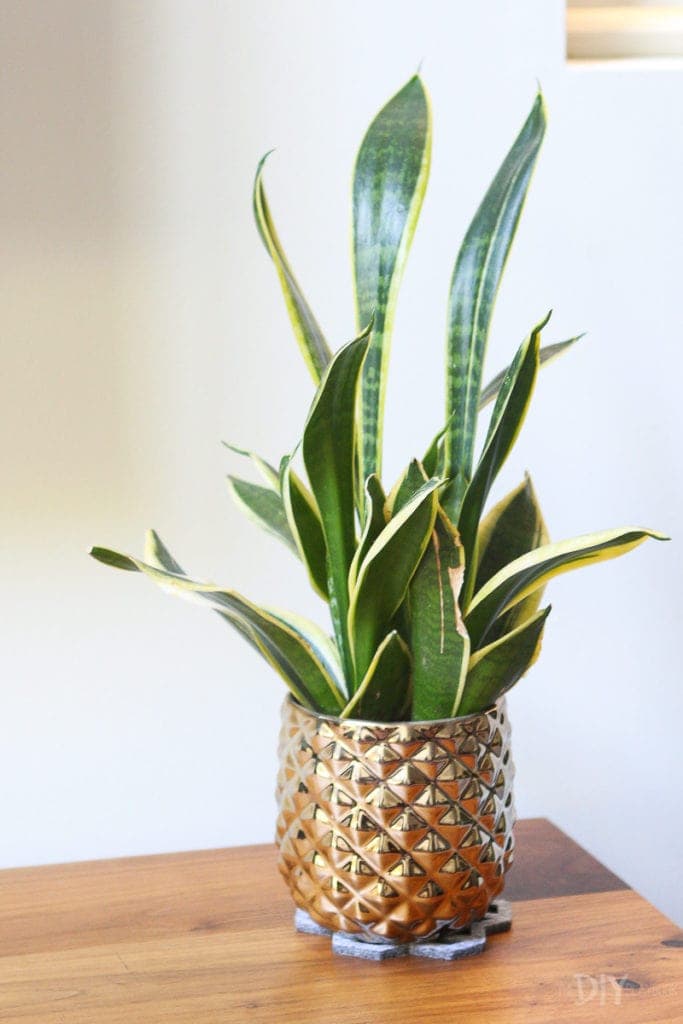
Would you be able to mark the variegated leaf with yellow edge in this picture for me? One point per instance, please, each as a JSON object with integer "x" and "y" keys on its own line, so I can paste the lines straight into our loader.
{"x": 524, "y": 575}
{"x": 314, "y": 347}
{"x": 513, "y": 527}
{"x": 389, "y": 183}
{"x": 385, "y": 573}
{"x": 494, "y": 669}
{"x": 298, "y": 650}
{"x": 438, "y": 639}
{"x": 303, "y": 518}
{"x": 384, "y": 692}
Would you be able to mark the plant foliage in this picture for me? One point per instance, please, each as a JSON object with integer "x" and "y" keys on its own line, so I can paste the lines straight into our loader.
{"x": 434, "y": 603}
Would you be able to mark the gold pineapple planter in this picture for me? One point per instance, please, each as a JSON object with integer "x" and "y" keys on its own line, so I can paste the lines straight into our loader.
{"x": 395, "y": 832}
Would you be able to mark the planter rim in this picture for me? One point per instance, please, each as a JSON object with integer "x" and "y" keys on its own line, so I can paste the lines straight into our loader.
{"x": 415, "y": 723}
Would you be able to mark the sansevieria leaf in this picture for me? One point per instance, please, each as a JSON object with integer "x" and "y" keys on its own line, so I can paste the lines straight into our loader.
{"x": 506, "y": 422}
{"x": 322, "y": 645}
{"x": 474, "y": 287}
{"x": 264, "y": 506}
{"x": 526, "y": 574}
{"x": 312, "y": 343}
{"x": 407, "y": 485}
{"x": 438, "y": 638}
{"x": 389, "y": 182}
{"x": 305, "y": 525}
{"x": 375, "y": 521}
{"x": 268, "y": 473}
{"x": 157, "y": 555}
{"x": 289, "y": 648}
{"x": 494, "y": 669}
{"x": 329, "y": 456}
{"x": 547, "y": 354}
{"x": 385, "y": 573}
{"x": 433, "y": 460}
{"x": 512, "y": 528}
{"x": 384, "y": 692}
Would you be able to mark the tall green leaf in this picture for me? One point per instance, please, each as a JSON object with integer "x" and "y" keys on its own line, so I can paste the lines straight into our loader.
{"x": 474, "y": 286}
{"x": 526, "y": 574}
{"x": 328, "y": 452}
{"x": 385, "y": 573}
{"x": 305, "y": 525}
{"x": 497, "y": 667}
{"x": 438, "y": 638}
{"x": 506, "y": 422}
{"x": 312, "y": 343}
{"x": 264, "y": 506}
{"x": 291, "y": 650}
{"x": 384, "y": 692}
{"x": 390, "y": 178}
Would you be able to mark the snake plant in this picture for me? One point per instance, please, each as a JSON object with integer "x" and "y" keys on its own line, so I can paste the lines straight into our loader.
{"x": 435, "y": 603}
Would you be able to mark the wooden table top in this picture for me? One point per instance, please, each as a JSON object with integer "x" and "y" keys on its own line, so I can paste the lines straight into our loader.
{"x": 207, "y": 937}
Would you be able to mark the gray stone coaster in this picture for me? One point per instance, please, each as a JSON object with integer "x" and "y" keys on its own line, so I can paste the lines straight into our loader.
{"x": 344, "y": 944}
{"x": 454, "y": 944}
{"x": 457, "y": 949}
{"x": 303, "y": 922}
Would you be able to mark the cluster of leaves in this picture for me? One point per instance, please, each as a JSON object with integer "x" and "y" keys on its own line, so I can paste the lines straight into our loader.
{"x": 436, "y": 607}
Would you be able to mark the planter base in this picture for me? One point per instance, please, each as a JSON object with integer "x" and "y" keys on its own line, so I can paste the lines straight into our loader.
{"x": 454, "y": 944}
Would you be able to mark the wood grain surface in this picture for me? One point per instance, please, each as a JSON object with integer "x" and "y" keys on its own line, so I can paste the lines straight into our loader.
{"x": 207, "y": 937}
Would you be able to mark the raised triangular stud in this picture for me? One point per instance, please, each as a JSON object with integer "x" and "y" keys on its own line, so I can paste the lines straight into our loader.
{"x": 408, "y": 821}
{"x": 432, "y": 843}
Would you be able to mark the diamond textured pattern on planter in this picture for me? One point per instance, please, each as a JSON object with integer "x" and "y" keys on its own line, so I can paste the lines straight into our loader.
{"x": 395, "y": 831}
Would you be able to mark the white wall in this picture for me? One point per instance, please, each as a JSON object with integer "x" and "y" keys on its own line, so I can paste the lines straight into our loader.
{"x": 141, "y": 323}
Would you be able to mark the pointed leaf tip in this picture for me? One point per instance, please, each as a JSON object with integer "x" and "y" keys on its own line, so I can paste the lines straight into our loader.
{"x": 314, "y": 347}
{"x": 113, "y": 558}
{"x": 260, "y": 165}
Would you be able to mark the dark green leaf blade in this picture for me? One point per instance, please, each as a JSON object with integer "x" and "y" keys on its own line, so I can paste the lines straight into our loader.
{"x": 438, "y": 638}
{"x": 390, "y": 178}
{"x": 321, "y": 645}
{"x": 432, "y": 459}
{"x": 384, "y": 693}
{"x": 407, "y": 485}
{"x": 385, "y": 573}
{"x": 474, "y": 286}
{"x": 329, "y": 456}
{"x": 506, "y": 422}
{"x": 496, "y": 668}
{"x": 312, "y": 343}
{"x": 526, "y": 574}
{"x": 375, "y": 521}
{"x": 305, "y": 526}
{"x": 511, "y": 529}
